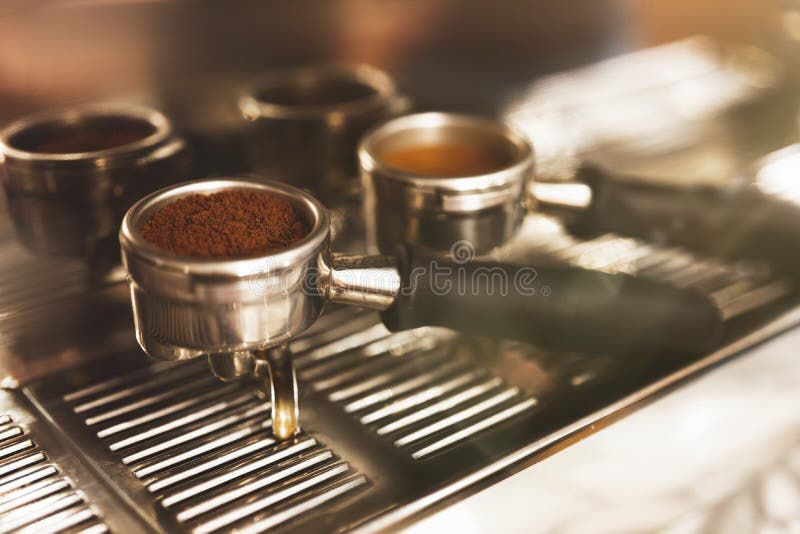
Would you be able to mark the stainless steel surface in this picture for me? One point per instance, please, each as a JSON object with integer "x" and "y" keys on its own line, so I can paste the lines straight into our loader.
{"x": 435, "y": 212}
{"x": 568, "y": 200}
{"x": 721, "y": 454}
{"x": 191, "y": 454}
{"x": 306, "y": 123}
{"x": 274, "y": 373}
{"x": 229, "y": 366}
{"x": 35, "y": 495}
{"x": 275, "y": 370}
{"x": 421, "y": 418}
{"x": 192, "y": 60}
{"x": 187, "y": 307}
{"x": 367, "y": 281}
{"x": 43, "y": 485}
{"x": 70, "y": 203}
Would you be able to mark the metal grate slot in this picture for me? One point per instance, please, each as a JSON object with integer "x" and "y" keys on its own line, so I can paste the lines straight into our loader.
{"x": 208, "y": 464}
{"x": 155, "y": 371}
{"x": 248, "y": 461}
{"x": 440, "y": 406}
{"x": 31, "y": 493}
{"x": 310, "y": 486}
{"x": 297, "y": 507}
{"x": 757, "y": 297}
{"x": 14, "y": 464}
{"x": 204, "y": 449}
{"x": 13, "y": 483}
{"x": 420, "y": 397}
{"x": 736, "y": 288}
{"x": 161, "y": 422}
{"x": 34, "y": 496}
{"x": 11, "y": 432}
{"x": 331, "y": 327}
{"x": 411, "y": 388}
{"x": 480, "y": 425}
{"x": 216, "y": 499}
{"x": 14, "y": 448}
{"x": 189, "y": 373}
{"x": 197, "y": 442}
{"x": 64, "y": 521}
{"x": 342, "y": 344}
{"x": 383, "y": 372}
{"x": 380, "y": 396}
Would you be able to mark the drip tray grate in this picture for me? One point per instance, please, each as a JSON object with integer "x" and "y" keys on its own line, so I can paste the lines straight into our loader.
{"x": 35, "y": 495}
{"x": 205, "y": 451}
{"x": 394, "y": 423}
{"x": 411, "y": 388}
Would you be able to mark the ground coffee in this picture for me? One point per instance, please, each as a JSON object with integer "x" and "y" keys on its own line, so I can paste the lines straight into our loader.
{"x": 90, "y": 134}
{"x": 228, "y": 224}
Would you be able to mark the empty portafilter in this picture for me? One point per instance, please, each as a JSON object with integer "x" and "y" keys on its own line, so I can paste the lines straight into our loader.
{"x": 241, "y": 312}
{"x": 306, "y": 123}
{"x": 70, "y": 175}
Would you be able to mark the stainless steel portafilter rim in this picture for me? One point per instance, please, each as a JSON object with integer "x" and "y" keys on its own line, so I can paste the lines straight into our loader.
{"x": 254, "y": 104}
{"x": 160, "y": 129}
{"x": 418, "y": 127}
{"x": 135, "y": 245}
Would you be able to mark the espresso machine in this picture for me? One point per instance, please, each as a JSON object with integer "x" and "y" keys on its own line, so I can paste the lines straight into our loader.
{"x": 646, "y": 155}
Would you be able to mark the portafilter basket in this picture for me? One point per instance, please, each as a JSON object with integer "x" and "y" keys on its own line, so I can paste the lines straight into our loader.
{"x": 306, "y": 122}
{"x": 70, "y": 174}
{"x": 241, "y": 312}
{"x": 484, "y": 209}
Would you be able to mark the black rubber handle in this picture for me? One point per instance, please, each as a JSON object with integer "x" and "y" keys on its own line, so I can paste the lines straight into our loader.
{"x": 560, "y": 308}
{"x": 736, "y": 223}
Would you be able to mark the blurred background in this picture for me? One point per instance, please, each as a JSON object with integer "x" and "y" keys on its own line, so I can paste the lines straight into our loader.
{"x": 190, "y": 58}
{"x": 722, "y": 455}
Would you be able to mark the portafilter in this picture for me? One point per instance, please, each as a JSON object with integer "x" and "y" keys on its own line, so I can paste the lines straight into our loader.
{"x": 71, "y": 173}
{"x": 306, "y": 122}
{"x": 241, "y": 312}
{"x": 487, "y": 208}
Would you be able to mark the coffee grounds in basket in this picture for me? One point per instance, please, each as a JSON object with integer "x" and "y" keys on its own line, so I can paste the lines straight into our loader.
{"x": 229, "y": 224}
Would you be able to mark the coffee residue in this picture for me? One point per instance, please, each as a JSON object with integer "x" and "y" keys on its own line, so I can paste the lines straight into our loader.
{"x": 89, "y": 135}
{"x": 447, "y": 160}
{"x": 228, "y": 224}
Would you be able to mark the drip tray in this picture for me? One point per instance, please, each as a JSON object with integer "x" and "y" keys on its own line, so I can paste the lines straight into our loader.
{"x": 394, "y": 425}
{"x": 43, "y": 485}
